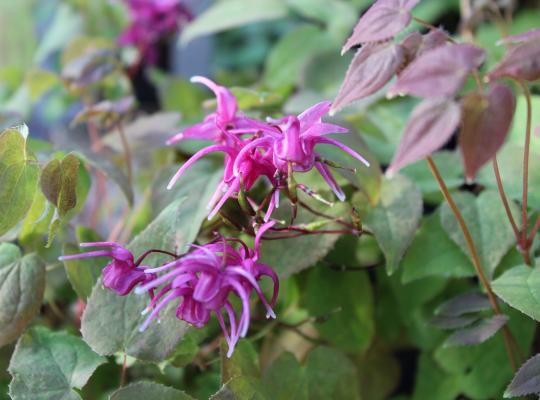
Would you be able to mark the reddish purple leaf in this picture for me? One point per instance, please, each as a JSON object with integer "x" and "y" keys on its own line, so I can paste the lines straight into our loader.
{"x": 415, "y": 44}
{"x": 371, "y": 68}
{"x": 521, "y": 62}
{"x": 527, "y": 379}
{"x": 439, "y": 72}
{"x": 382, "y": 21}
{"x": 486, "y": 122}
{"x": 464, "y": 303}
{"x": 528, "y": 36}
{"x": 478, "y": 333}
{"x": 431, "y": 124}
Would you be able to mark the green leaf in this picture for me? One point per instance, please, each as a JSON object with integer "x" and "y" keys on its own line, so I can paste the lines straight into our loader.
{"x": 394, "y": 219}
{"x": 240, "y": 388}
{"x": 39, "y": 82}
{"x": 434, "y": 383}
{"x": 488, "y": 224}
{"x": 9, "y": 253}
{"x": 19, "y": 173}
{"x": 50, "y": 365}
{"x": 36, "y": 223}
{"x": 519, "y": 287}
{"x": 243, "y": 363}
{"x": 148, "y": 390}
{"x": 433, "y": 253}
{"x": 291, "y": 256}
{"x": 22, "y": 284}
{"x": 348, "y": 301}
{"x": 229, "y": 14}
{"x": 286, "y": 379}
{"x": 378, "y": 373}
{"x": 291, "y": 54}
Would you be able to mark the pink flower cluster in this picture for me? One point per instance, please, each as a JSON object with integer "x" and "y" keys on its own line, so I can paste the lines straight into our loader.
{"x": 204, "y": 279}
{"x": 149, "y": 22}
{"x": 253, "y": 149}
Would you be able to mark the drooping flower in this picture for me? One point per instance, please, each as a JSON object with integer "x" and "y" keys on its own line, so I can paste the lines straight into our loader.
{"x": 149, "y": 22}
{"x": 206, "y": 279}
{"x": 121, "y": 274}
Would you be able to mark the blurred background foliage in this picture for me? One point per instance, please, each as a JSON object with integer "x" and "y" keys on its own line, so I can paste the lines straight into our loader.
{"x": 346, "y": 329}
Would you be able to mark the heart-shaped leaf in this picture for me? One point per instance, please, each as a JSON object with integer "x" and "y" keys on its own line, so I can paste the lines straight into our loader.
{"x": 431, "y": 125}
{"x": 149, "y": 390}
{"x": 22, "y": 284}
{"x": 440, "y": 72}
{"x": 486, "y": 123}
{"x": 382, "y": 21}
{"x": 521, "y": 62}
{"x": 371, "y": 68}
{"x": 50, "y": 365}
{"x": 527, "y": 379}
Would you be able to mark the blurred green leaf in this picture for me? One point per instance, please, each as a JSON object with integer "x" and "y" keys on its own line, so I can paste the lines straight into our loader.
{"x": 488, "y": 224}
{"x": 223, "y": 15}
{"x": 244, "y": 362}
{"x": 148, "y": 390}
{"x": 434, "y": 383}
{"x": 19, "y": 173}
{"x": 39, "y": 82}
{"x": 285, "y": 378}
{"x": 292, "y": 53}
{"x": 50, "y": 365}
{"x": 22, "y": 283}
{"x": 433, "y": 253}
{"x": 345, "y": 301}
{"x": 394, "y": 219}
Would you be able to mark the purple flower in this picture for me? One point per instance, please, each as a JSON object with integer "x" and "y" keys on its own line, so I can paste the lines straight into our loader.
{"x": 122, "y": 274}
{"x": 206, "y": 279}
{"x": 149, "y": 22}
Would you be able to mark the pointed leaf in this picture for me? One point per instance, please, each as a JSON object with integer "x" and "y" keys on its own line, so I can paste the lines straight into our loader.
{"x": 22, "y": 284}
{"x": 431, "y": 125}
{"x": 382, "y": 21}
{"x": 451, "y": 323}
{"x": 463, "y": 304}
{"x": 477, "y": 334}
{"x": 371, "y": 68}
{"x": 533, "y": 34}
{"x": 520, "y": 62}
{"x": 527, "y": 379}
{"x": 440, "y": 72}
{"x": 415, "y": 44}
{"x": 49, "y": 365}
{"x": 486, "y": 123}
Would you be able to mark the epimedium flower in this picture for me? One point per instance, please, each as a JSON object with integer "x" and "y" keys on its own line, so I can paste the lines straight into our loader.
{"x": 122, "y": 274}
{"x": 206, "y": 279}
{"x": 149, "y": 22}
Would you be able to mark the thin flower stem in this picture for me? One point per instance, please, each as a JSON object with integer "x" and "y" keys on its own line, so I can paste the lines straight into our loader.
{"x": 508, "y": 339}
{"x": 127, "y": 152}
{"x": 526, "y": 155}
{"x": 534, "y": 231}
{"x": 123, "y": 373}
{"x": 323, "y": 215}
{"x": 504, "y": 199}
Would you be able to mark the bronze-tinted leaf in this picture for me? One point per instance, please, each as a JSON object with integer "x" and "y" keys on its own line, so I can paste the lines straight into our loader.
{"x": 91, "y": 67}
{"x": 527, "y": 379}
{"x": 478, "y": 333}
{"x": 415, "y": 44}
{"x": 440, "y": 72}
{"x": 486, "y": 122}
{"x": 105, "y": 113}
{"x": 382, "y": 21}
{"x": 371, "y": 68}
{"x": 431, "y": 124}
{"x": 533, "y": 34}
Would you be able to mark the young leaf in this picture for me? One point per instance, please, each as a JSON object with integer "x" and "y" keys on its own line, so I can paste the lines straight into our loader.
{"x": 384, "y": 20}
{"x": 451, "y": 323}
{"x": 431, "y": 125}
{"x": 478, "y": 333}
{"x": 520, "y": 288}
{"x": 22, "y": 284}
{"x": 527, "y": 379}
{"x": 440, "y": 72}
{"x": 105, "y": 113}
{"x": 394, "y": 219}
{"x": 415, "y": 44}
{"x": 486, "y": 123}
{"x": 149, "y": 390}
{"x": 469, "y": 302}
{"x": 19, "y": 174}
{"x": 371, "y": 68}
{"x": 521, "y": 62}
{"x": 50, "y": 365}
{"x": 533, "y": 34}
